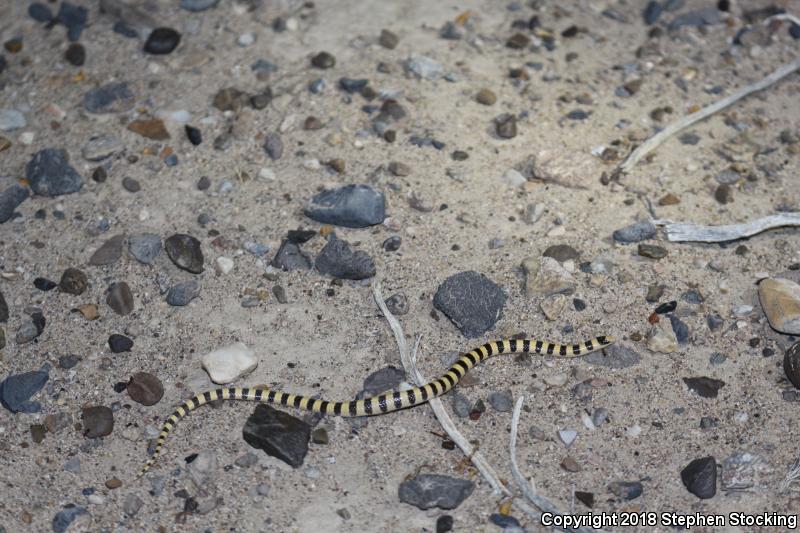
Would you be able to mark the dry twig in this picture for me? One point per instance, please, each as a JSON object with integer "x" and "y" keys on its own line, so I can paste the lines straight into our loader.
{"x": 682, "y": 232}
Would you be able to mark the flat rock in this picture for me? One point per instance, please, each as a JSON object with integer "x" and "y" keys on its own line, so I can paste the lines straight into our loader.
{"x": 115, "y": 97}
{"x": 780, "y": 300}
{"x": 182, "y": 293}
{"x": 198, "y": 5}
{"x": 17, "y": 390}
{"x": 704, "y": 386}
{"x": 614, "y": 356}
{"x": 10, "y": 199}
{"x": 162, "y": 41}
{"x": 145, "y": 247}
{"x": 229, "y": 363}
{"x": 279, "y": 434}
{"x": 101, "y": 147}
{"x": 424, "y": 67}
{"x": 290, "y": 257}
{"x": 352, "y": 206}
{"x": 636, "y": 232}
{"x": 338, "y": 260}
{"x": 98, "y": 421}
{"x": 700, "y": 477}
{"x": 385, "y": 379}
{"x": 184, "y": 250}
{"x": 273, "y": 145}
{"x": 120, "y": 298}
{"x": 662, "y": 339}
{"x": 145, "y": 388}
{"x": 67, "y": 516}
{"x": 435, "y": 490}
{"x": 744, "y": 470}
{"x": 152, "y": 128}
{"x": 791, "y": 363}
{"x": 545, "y": 276}
{"x": 119, "y": 343}
{"x": 73, "y": 281}
{"x": 11, "y": 119}
{"x": 109, "y": 252}
{"x": 3, "y": 309}
{"x": 553, "y": 305}
{"x": 473, "y": 302}
{"x": 501, "y": 401}
{"x": 562, "y": 252}
{"x": 50, "y": 174}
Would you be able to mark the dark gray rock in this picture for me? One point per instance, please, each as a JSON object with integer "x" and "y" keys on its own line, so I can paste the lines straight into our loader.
{"x": 162, "y": 41}
{"x": 614, "y": 356}
{"x": 704, "y": 386}
{"x": 435, "y": 490}
{"x": 353, "y": 85}
{"x": 385, "y": 379}
{"x": 184, "y": 250}
{"x": 626, "y": 490}
{"x": 791, "y": 364}
{"x": 336, "y": 259}
{"x": 120, "y": 298}
{"x": 651, "y": 12}
{"x": 273, "y": 145}
{"x": 98, "y": 421}
{"x": 50, "y": 174}
{"x": 40, "y": 12}
{"x": 700, "y": 477}
{"x": 74, "y": 18}
{"x": 501, "y": 401}
{"x": 398, "y": 304}
{"x": 680, "y": 329}
{"x": 17, "y": 390}
{"x": 144, "y": 247}
{"x": 714, "y": 321}
{"x": 10, "y": 200}
{"x": 145, "y": 388}
{"x": 116, "y": 97}
{"x": 182, "y": 293}
{"x": 73, "y": 281}
{"x": 635, "y": 232}
{"x": 64, "y": 518}
{"x": 198, "y": 5}
{"x": 461, "y": 404}
{"x": 119, "y": 343}
{"x": 473, "y": 302}
{"x": 290, "y": 257}
{"x": 109, "y": 252}
{"x": 562, "y": 252}
{"x": 3, "y": 309}
{"x": 279, "y": 434}
{"x": 352, "y": 206}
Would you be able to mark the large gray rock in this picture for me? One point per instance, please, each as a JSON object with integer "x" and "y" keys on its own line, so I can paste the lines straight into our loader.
{"x": 279, "y": 434}
{"x": 50, "y": 174}
{"x": 473, "y": 302}
{"x": 336, "y": 259}
{"x": 435, "y": 490}
{"x": 114, "y": 97}
{"x": 352, "y": 206}
{"x": 17, "y": 390}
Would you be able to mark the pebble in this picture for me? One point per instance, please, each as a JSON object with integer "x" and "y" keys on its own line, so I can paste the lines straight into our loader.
{"x": 75, "y": 54}
{"x": 17, "y": 390}
{"x": 273, "y": 145}
{"x": 680, "y": 329}
{"x": 353, "y": 85}
{"x": 229, "y": 363}
{"x": 724, "y": 194}
{"x": 115, "y": 97}
{"x": 743, "y": 470}
{"x": 201, "y": 469}
{"x": 615, "y": 356}
{"x": 98, "y": 421}
{"x": 661, "y": 339}
{"x": 120, "y": 298}
{"x": 262, "y": 65}
{"x": 245, "y": 40}
{"x": 290, "y": 257}
{"x": 119, "y": 343}
{"x": 352, "y": 206}
{"x": 10, "y": 199}
{"x": 145, "y": 247}
{"x": 450, "y": 31}
{"x": 73, "y": 465}
{"x": 700, "y": 477}
{"x": 64, "y": 518}
{"x": 398, "y": 304}
{"x": 198, "y": 5}
{"x": 229, "y": 99}
{"x": 578, "y": 304}
{"x": 501, "y": 401}
{"x": 150, "y": 128}
{"x": 145, "y": 388}
{"x": 11, "y": 119}
{"x": 223, "y": 265}
{"x": 791, "y": 364}
{"x": 247, "y": 460}
{"x": 320, "y": 436}
{"x": 473, "y": 302}
{"x": 652, "y": 251}
{"x": 666, "y": 307}
{"x": 545, "y": 276}
{"x": 514, "y": 178}
{"x": 599, "y": 416}
{"x": 780, "y": 301}
{"x": 636, "y": 232}
{"x": 424, "y": 67}
{"x": 486, "y": 97}
{"x": 194, "y": 135}
{"x": 567, "y": 436}
{"x": 562, "y": 253}
{"x": 323, "y": 60}
{"x": 50, "y": 174}
{"x": 652, "y": 12}
{"x": 279, "y": 434}
{"x": 3, "y": 308}
{"x": 435, "y": 490}
{"x": 552, "y": 306}
{"x": 132, "y": 504}
{"x": 507, "y": 522}
{"x": 518, "y": 41}
{"x": 704, "y": 387}
{"x": 26, "y": 332}
{"x": 317, "y": 86}
{"x": 182, "y": 293}
{"x": 162, "y": 41}
{"x": 74, "y": 18}
{"x": 399, "y": 169}
{"x": 40, "y": 12}
{"x": 626, "y": 490}
{"x": 388, "y": 39}
{"x": 262, "y": 489}
{"x": 337, "y": 260}
{"x": 109, "y": 252}
{"x": 506, "y": 126}
{"x": 100, "y": 147}
{"x": 184, "y": 251}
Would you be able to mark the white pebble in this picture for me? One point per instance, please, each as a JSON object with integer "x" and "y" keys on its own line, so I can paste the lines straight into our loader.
{"x": 312, "y": 472}
{"x": 144, "y": 214}
{"x": 311, "y": 164}
{"x": 634, "y": 431}
{"x": 513, "y": 178}
{"x": 229, "y": 363}
{"x": 96, "y": 499}
{"x": 741, "y": 418}
{"x": 27, "y": 137}
{"x": 587, "y": 421}
{"x": 246, "y": 39}
{"x": 223, "y": 265}
{"x": 292, "y": 24}
{"x": 266, "y": 174}
{"x": 567, "y": 436}
{"x": 558, "y": 231}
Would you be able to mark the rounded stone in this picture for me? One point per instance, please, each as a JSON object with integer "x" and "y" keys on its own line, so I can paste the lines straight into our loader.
{"x": 162, "y": 41}
{"x": 323, "y": 60}
{"x": 791, "y": 364}
{"x": 75, "y": 54}
{"x": 184, "y": 250}
{"x": 119, "y": 343}
{"x": 98, "y": 421}
{"x": 229, "y": 363}
{"x": 145, "y": 388}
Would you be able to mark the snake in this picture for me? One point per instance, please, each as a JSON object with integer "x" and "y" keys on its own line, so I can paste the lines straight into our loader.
{"x": 383, "y": 403}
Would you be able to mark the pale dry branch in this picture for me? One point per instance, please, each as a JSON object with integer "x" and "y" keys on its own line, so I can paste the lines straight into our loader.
{"x": 686, "y": 232}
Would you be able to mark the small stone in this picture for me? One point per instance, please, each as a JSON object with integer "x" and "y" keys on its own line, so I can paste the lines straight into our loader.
{"x": 162, "y": 41}
{"x": 50, "y": 174}
{"x": 704, "y": 387}
{"x": 119, "y": 343}
{"x": 101, "y": 147}
{"x": 229, "y": 363}
{"x": 743, "y": 470}
{"x": 669, "y": 199}
{"x": 182, "y": 293}
{"x": 486, "y": 97}
{"x": 514, "y": 178}
{"x": 636, "y": 232}
{"x": 198, "y": 5}
{"x": 661, "y": 339}
{"x": 578, "y": 304}
{"x": 273, "y": 145}
{"x": 689, "y": 138}
{"x": 116, "y": 97}
{"x": 352, "y": 206}
{"x": 323, "y": 60}
{"x": 113, "y": 483}
{"x": 280, "y": 294}
{"x": 567, "y": 436}
{"x": 434, "y": 490}
{"x": 279, "y": 434}
{"x": 562, "y": 253}
{"x": 65, "y": 518}
{"x": 230, "y": 99}
{"x": 651, "y": 12}
{"x": 398, "y": 304}
{"x": 569, "y": 464}
{"x": 518, "y": 41}
{"x": 223, "y": 265}
{"x": 40, "y": 12}
{"x": 383, "y": 380}
{"x": 145, "y": 247}
{"x": 680, "y": 329}
{"x": 552, "y": 306}
{"x": 145, "y": 388}
{"x": 290, "y": 257}
{"x": 10, "y": 199}
{"x": 319, "y": 436}
{"x": 506, "y": 126}
{"x": 392, "y": 244}
{"x": 780, "y": 300}
{"x": 17, "y": 390}
{"x": 666, "y": 307}
{"x": 99, "y": 175}
{"x": 471, "y": 301}
{"x": 652, "y": 251}
{"x": 132, "y": 504}
{"x": 312, "y": 123}
{"x": 11, "y": 119}
{"x": 791, "y": 364}
{"x": 75, "y": 54}
{"x": 545, "y": 276}
{"x": 98, "y": 421}
{"x": 700, "y": 477}
{"x": 150, "y": 128}
{"x": 399, "y": 169}
{"x": 184, "y": 251}
{"x": 724, "y": 194}
{"x": 388, "y": 39}
{"x": 353, "y": 85}
{"x": 109, "y": 252}
{"x": 626, "y": 490}
{"x": 578, "y": 114}
{"x": 424, "y": 67}
{"x": 501, "y": 401}
{"x": 336, "y": 259}
{"x": 120, "y": 298}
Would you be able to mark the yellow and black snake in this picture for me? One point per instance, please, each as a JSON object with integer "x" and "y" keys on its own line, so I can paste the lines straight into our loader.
{"x": 384, "y": 403}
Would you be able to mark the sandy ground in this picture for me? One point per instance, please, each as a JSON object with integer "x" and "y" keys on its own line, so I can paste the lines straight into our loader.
{"x": 334, "y": 342}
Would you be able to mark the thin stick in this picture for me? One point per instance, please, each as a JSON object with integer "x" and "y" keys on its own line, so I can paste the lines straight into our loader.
{"x": 688, "y": 120}
{"x": 683, "y": 232}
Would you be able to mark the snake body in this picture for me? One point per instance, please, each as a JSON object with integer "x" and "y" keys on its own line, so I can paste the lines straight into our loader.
{"x": 384, "y": 403}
